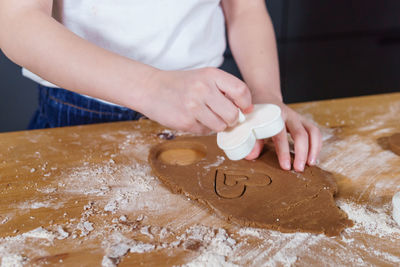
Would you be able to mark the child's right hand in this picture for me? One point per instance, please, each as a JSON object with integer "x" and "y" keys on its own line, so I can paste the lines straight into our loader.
{"x": 195, "y": 101}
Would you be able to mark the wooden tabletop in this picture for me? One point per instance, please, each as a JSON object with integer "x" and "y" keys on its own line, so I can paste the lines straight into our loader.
{"x": 85, "y": 196}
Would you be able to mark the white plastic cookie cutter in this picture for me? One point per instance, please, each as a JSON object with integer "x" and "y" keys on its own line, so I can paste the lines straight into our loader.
{"x": 396, "y": 207}
{"x": 265, "y": 121}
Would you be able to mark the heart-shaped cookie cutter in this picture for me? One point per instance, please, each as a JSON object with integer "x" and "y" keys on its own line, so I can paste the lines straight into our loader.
{"x": 265, "y": 121}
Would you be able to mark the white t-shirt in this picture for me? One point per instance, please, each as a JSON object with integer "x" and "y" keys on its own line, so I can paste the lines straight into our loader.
{"x": 166, "y": 34}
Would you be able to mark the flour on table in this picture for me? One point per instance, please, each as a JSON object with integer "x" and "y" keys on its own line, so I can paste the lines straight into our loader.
{"x": 40, "y": 233}
{"x": 3, "y": 220}
{"x": 122, "y": 186}
{"x": 47, "y": 190}
{"x": 372, "y": 221}
{"x": 12, "y": 260}
{"x": 40, "y": 204}
{"x": 111, "y": 206}
{"x": 118, "y": 245}
{"x": 145, "y": 231}
{"x": 353, "y": 157}
{"x": 13, "y": 249}
{"x": 219, "y": 161}
{"x": 248, "y": 231}
{"x": 215, "y": 246}
{"x": 62, "y": 234}
{"x": 88, "y": 226}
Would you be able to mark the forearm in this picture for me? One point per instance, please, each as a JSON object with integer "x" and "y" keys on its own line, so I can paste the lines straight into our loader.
{"x": 252, "y": 41}
{"x": 44, "y": 46}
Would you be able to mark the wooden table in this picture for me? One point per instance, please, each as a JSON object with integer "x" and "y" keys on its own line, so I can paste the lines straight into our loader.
{"x": 86, "y": 196}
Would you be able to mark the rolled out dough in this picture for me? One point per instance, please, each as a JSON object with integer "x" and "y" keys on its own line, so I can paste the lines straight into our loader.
{"x": 394, "y": 143}
{"x": 251, "y": 193}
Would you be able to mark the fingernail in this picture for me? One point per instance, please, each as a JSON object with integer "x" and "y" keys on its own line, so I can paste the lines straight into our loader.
{"x": 312, "y": 161}
{"x": 302, "y": 166}
{"x": 286, "y": 165}
{"x": 249, "y": 109}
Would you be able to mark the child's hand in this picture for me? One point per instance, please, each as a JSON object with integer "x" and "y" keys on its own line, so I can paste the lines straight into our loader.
{"x": 195, "y": 101}
{"x": 307, "y": 140}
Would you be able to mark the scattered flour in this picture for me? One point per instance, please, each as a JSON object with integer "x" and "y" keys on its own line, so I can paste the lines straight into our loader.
{"x": 220, "y": 160}
{"x": 215, "y": 246}
{"x": 118, "y": 245}
{"x": 47, "y": 190}
{"x": 122, "y": 186}
{"x": 88, "y": 226}
{"x": 111, "y": 206}
{"x": 4, "y": 220}
{"x": 40, "y": 233}
{"x": 248, "y": 231}
{"x": 210, "y": 259}
{"x": 372, "y": 221}
{"x": 12, "y": 260}
{"x": 62, "y": 234}
{"x": 40, "y": 204}
{"x": 353, "y": 157}
{"x": 13, "y": 248}
{"x": 145, "y": 231}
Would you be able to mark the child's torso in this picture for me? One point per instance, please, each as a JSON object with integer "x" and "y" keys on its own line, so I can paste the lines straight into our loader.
{"x": 167, "y": 34}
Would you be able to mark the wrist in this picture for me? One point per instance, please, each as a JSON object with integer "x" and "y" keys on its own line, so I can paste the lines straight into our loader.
{"x": 273, "y": 98}
{"x": 264, "y": 91}
{"x": 140, "y": 89}
{"x": 262, "y": 95}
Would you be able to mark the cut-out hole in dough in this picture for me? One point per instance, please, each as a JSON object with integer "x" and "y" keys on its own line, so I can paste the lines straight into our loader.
{"x": 182, "y": 154}
{"x": 394, "y": 143}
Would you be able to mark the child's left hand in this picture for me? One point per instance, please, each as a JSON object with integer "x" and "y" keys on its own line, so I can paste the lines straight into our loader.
{"x": 307, "y": 140}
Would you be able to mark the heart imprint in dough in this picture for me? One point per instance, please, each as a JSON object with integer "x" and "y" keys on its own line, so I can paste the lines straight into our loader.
{"x": 233, "y": 183}
{"x": 254, "y": 193}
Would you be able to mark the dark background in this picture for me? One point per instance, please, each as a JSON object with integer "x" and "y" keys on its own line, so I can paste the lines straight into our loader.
{"x": 327, "y": 49}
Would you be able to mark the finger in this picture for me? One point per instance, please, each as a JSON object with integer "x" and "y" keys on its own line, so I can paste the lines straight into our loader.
{"x": 248, "y": 110}
{"x": 256, "y": 150}
{"x": 223, "y": 107}
{"x": 315, "y": 142}
{"x": 282, "y": 149}
{"x": 199, "y": 128}
{"x": 209, "y": 119}
{"x": 300, "y": 137}
{"x": 236, "y": 89}
{"x": 190, "y": 126}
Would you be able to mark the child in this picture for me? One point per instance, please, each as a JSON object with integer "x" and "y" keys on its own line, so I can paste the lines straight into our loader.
{"x": 122, "y": 58}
